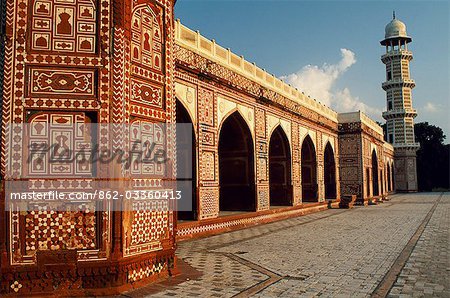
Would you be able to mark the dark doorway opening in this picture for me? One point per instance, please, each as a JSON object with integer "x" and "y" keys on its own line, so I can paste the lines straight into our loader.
{"x": 375, "y": 174}
{"x": 236, "y": 166}
{"x": 280, "y": 169}
{"x": 329, "y": 173}
{"x": 186, "y": 162}
{"x": 309, "y": 171}
{"x": 382, "y": 181}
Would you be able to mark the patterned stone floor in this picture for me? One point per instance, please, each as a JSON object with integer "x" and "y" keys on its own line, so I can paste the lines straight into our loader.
{"x": 330, "y": 253}
{"x": 427, "y": 271}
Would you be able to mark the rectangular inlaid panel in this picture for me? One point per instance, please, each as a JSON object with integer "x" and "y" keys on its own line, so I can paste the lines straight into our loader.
{"x": 208, "y": 166}
{"x": 147, "y": 137}
{"x": 149, "y": 226}
{"x": 207, "y": 138}
{"x": 64, "y": 25}
{"x": 52, "y": 230}
{"x": 260, "y": 123}
{"x": 57, "y": 82}
{"x": 66, "y": 130}
{"x": 262, "y": 169}
{"x": 146, "y": 94}
{"x": 206, "y": 106}
{"x": 209, "y": 202}
{"x": 147, "y": 36}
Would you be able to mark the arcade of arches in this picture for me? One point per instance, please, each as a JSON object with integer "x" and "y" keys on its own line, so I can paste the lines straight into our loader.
{"x": 261, "y": 150}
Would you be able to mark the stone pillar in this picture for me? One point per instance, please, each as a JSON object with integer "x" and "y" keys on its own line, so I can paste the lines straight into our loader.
{"x": 320, "y": 167}
{"x": 208, "y": 156}
{"x": 296, "y": 168}
{"x": 338, "y": 167}
{"x": 262, "y": 160}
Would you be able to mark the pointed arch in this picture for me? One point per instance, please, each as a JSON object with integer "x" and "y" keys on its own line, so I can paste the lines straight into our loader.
{"x": 236, "y": 165}
{"x": 280, "y": 168}
{"x": 186, "y": 163}
{"x": 283, "y": 129}
{"x": 312, "y": 138}
{"x": 329, "y": 172}
{"x": 232, "y": 112}
{"x": 285, "y": 126}
{"x": 187, "y": 95}
{"x": 375, "y": 183}
{"x": 309, "y": 171}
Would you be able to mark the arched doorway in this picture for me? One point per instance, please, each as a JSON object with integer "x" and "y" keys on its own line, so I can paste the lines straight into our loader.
{"x": 375, "y": 190}
{"x": 329, "y": 172}
{"x": 280, "y": 169}
{"x": 186, "y": 163}
{"x": 309, "y": 171}
{"x": 236, "y": 166}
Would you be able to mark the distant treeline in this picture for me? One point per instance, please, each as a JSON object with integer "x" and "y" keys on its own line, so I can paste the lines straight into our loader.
{"x": 433, "y": 158}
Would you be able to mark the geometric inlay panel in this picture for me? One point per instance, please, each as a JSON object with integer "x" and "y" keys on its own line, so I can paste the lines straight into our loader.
{"x": 149, "y": 226}
{"x": 146, "y": 94}
{"x": 54, "y": 230}
{"x": 57, "y": 82}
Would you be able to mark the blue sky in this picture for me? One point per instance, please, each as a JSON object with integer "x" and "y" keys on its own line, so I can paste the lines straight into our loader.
{"x": 331, "y": 48}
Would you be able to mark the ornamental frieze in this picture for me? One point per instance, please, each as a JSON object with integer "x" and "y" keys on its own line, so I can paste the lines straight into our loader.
{"x": 202, "y": 66}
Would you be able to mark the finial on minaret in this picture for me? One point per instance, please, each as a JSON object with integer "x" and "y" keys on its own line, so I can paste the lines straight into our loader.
{"x": 393, "y": 14}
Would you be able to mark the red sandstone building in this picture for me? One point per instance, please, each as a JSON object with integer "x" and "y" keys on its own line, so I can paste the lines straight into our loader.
{"x": 263, "y": 150}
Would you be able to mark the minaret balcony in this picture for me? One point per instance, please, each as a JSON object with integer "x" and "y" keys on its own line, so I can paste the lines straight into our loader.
{"x": 397, "y": 54}
{"x": 399, "y": 113}
{"x": 411, "y": 146}
{"x": 398, "y": 82}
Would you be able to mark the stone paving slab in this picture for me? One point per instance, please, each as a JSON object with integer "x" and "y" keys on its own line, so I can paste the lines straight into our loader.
{"x": 427, "y": 271}
{"x": 331, "y": 253}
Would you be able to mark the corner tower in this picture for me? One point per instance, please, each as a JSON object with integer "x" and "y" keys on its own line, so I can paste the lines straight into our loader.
{"x": 400, "y": 114}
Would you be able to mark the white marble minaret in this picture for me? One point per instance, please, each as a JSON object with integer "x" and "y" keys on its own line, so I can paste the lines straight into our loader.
{"x": 399, "y": 113}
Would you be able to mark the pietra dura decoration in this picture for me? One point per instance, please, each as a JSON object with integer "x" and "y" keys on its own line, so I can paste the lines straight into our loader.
{"x": 76, "y": 83}
{"x": 124, "y": 64}
{"x": 74, "y": 63}
{"x": 64, "y": 26}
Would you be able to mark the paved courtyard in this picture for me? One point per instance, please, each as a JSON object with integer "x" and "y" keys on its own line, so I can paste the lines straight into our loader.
{"x": 332, "y": 253}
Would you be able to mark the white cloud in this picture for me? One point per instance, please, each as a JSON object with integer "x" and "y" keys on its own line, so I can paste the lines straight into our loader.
{"x": 430, "y": 107}
{"x": 318, "y": 82}
{"x": 348, "y": 103}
